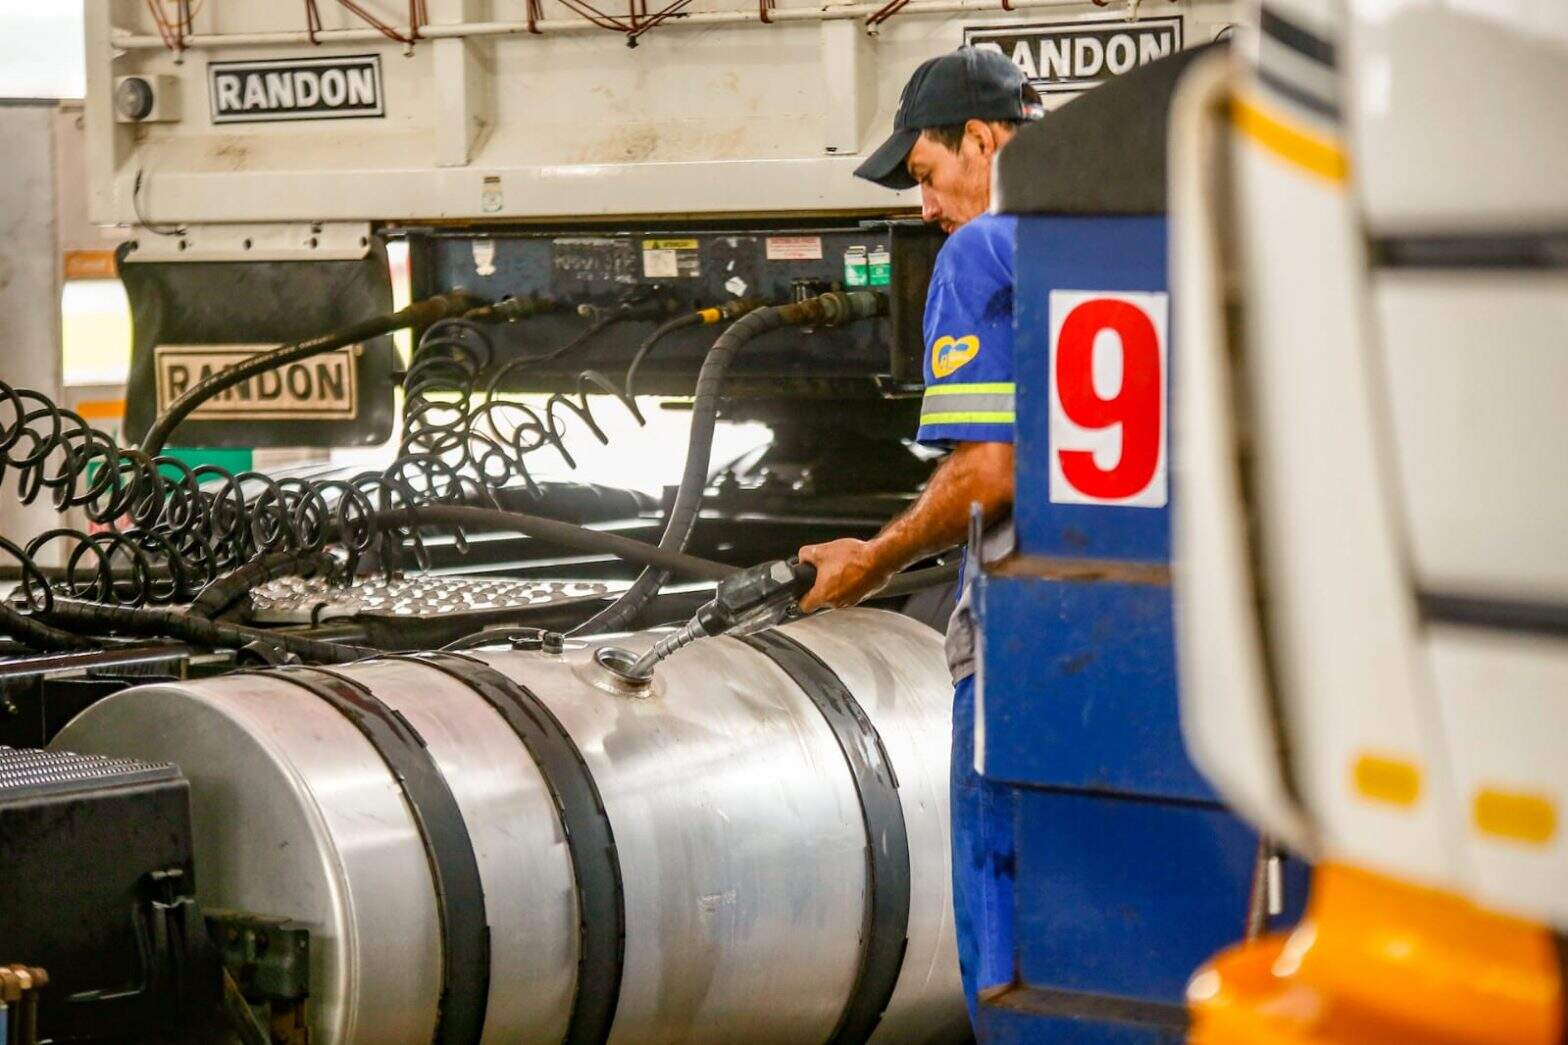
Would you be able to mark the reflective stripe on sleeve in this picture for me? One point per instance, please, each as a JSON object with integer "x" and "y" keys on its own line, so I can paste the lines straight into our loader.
{"x": 976, "y": 418}
{"x": 980, "y": 403}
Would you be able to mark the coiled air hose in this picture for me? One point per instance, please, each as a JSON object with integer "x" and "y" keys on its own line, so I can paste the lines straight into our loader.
{"x": 826, "y": 310}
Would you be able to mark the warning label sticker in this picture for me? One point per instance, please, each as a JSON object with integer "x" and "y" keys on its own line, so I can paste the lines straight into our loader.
{"x": 591, "y": 259}
{"x": 794, "y": 248}
{"x": 671, "y": 259}
{"x": 321, "y": 388}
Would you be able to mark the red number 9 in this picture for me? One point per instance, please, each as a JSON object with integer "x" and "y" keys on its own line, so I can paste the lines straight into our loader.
{"x": 1137, "y": 405}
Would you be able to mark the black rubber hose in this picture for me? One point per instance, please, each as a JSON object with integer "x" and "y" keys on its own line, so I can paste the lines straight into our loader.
{"x": 572, "y": 536}
{"x": 195, "y": 627}
{"x": 40, "y": 636}
{"x": 224, "y": 592}
{"x": 690, "y": 319}
{"x": 826, "y": 310}
{"x": 96, "y": 619}
{"x": 592, "y": 331}
{"x": 916, "y": 580}
{"x": 718, "y": 314}
{"x": 421, "y": 313}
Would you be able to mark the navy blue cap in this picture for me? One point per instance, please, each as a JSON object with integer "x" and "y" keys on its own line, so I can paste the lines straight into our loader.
{"x": 962, "y": 85}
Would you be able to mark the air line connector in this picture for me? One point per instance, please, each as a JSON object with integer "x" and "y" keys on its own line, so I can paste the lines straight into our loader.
{"x": 732, "y": 309}
{"x": 651, "y": 302}
{"x": 835, "y": 309}
{"x": 509, "y": 310}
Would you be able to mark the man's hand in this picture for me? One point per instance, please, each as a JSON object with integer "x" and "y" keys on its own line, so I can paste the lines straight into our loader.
{"x": 847, "y": 572}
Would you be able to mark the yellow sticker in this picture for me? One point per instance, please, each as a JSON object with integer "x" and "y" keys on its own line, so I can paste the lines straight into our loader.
{"x": 669, "y": 244}
{"x": 1516, "y": 815}
{"x": 1303, "y": 148}
{"x": 1393, "y": 781}
{"x": 950, "y": 353}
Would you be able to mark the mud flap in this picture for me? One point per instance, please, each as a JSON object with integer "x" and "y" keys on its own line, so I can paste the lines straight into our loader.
{"x": 191, "y": 318}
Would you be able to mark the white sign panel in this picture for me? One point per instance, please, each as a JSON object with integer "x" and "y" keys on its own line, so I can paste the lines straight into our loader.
{"x": 1108, "y": 428}
{"x": 1066, "y": 57}
{"x": 329, "y": 88}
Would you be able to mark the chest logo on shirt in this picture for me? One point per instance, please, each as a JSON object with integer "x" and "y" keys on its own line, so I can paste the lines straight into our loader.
{"x": 950, "y": 353}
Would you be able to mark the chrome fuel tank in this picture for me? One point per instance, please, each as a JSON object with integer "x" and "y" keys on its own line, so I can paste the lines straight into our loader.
{"x": 515, "y": 847}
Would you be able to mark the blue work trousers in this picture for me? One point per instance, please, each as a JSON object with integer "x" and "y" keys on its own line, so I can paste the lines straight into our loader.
{"x": 982, "y": 815}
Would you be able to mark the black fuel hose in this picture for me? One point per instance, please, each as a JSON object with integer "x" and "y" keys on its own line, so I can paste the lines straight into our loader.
{"x": 420, "y": 313}
{"x": 225, "y": 591}
{"x": 62, "y": 624}
{"x": 195, "y": 624}
{"x": 95, "y": 618}
{"x": 826, "y": 310}
{"x": 581, "y": 538}
{"x": 584, "y": 538}
{"x": 917, "y": 580}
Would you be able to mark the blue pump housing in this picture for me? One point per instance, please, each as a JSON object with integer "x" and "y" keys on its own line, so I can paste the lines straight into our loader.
{"x": 1128, "y": 872}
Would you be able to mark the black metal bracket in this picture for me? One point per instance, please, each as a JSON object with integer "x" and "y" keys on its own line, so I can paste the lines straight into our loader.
{"x": 454, "y": 871}
{"x": 885, "y": 934}
{"x": 596, "y": 865}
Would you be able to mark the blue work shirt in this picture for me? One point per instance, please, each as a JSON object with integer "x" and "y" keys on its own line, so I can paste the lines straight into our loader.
{"x": 969, "y": 337}
{"x": 969, "y": 376}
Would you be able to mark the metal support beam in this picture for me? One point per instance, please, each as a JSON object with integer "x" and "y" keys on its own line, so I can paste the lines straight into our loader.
{"x": 849, "y": 80}
{"x": 30, "y": 261}
{"x": 461, "y": 85}
{"x": 205, "y": 41}
{"x": 108, "y": 142}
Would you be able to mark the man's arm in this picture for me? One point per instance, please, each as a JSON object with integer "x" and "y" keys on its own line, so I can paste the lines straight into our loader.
{"x": 850, "y": 570}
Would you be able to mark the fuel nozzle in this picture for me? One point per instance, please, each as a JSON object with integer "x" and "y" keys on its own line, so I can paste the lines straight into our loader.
{"x": 744, "y": 603}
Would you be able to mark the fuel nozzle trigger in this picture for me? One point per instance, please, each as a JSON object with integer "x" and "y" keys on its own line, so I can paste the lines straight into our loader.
{"x": 744, "y": 603}
{"x": 756, "y": 599}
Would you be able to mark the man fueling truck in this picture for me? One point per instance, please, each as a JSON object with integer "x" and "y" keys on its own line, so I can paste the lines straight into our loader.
{"x": 1325, "y": 664}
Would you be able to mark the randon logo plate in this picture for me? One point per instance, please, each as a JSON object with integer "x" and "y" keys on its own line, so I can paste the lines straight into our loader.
{"x": 320, "y": 388}
{"x": 1067, "y": 57}
{"x": 328, "y": 88}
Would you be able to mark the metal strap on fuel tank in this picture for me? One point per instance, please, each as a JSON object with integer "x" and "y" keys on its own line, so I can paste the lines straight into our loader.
{"x": 460, "y": 896}
{"x": 596, "y": 865}
{"x": 885, "y": 932}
